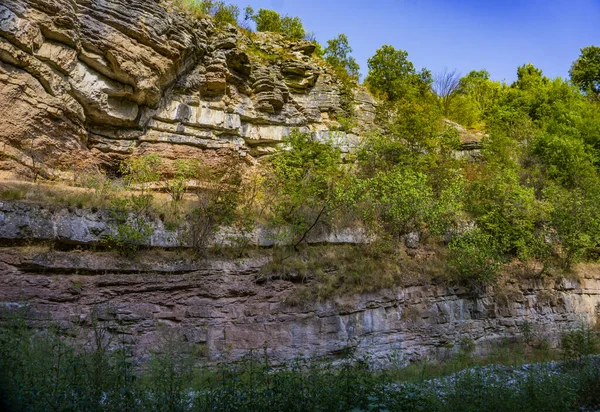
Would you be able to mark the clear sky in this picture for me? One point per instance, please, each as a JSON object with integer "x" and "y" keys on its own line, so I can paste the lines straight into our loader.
{"x": 497, "y": 35}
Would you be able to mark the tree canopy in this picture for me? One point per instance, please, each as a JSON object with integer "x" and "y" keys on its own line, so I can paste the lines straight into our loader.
{"x": 585, "y": 71}
{"x": 393, "y": 76}
{"x": 270, "y": 21}
{"x": 338, "y": 54}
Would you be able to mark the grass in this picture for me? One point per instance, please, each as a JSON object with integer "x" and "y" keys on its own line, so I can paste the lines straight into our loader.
{"x": 327, "y": 271}
{"x": 13, "y": 194}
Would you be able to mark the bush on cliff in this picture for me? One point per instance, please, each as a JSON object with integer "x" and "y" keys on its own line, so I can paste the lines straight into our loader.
{"x": 270, "y": 21}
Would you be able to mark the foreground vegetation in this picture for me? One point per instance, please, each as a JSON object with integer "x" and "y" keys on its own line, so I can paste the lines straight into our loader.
{"x": 55, "y": 371}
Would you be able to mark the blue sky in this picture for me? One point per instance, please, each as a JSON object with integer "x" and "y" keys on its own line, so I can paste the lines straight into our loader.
{"x": 464, "y": 35}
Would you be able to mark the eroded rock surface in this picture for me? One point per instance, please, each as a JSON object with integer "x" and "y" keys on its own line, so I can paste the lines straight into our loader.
{"x": 89, "y": 82}
{"x": 224, "y": 307}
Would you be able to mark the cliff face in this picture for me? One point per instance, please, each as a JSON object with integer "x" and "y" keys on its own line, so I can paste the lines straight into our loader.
{"x": 86, "y": 83}
{"x": 226, "y": 308}
{"x": 89, "y": 82}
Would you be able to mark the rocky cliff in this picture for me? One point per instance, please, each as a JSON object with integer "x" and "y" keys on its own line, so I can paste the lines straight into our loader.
{"x": 226, "y": 308}
{"x": 86, "y": 83}
{"x": 52, "y": 263}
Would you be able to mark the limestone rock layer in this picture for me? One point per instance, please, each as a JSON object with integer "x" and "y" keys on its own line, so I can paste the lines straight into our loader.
{"x": 90, "y": 82}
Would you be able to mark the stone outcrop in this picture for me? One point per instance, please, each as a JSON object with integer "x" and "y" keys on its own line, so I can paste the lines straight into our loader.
{"x": 88, "y": 82}
{"x": 30, "y": 222}
{"x": 227, "y": 309}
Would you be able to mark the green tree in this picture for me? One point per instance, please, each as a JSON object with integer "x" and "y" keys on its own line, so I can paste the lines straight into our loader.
{"x": 270, "y": 21}
{"x": 530, "y": 77}
{"x": 221, "y": 12}
{"x": 476, "y": 96}
{"x": 574, "y": 217}
{"x": 292, "y": 27}
{"x": 140, "y": 171}
{"x": 393, "y": 76}
{"x": 303, "y": 184}
{"x": 585, "y": 71}
{"x": 474, "y": 258}
{"x": 338, "y": 55}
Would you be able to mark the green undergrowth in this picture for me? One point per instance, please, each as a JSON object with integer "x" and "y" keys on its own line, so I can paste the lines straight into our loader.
{"x": 327, "y": 271}
{"x": 66, "y": 369}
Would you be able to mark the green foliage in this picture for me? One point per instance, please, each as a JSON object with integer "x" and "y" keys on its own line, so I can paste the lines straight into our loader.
{"x": 182, "y": 171}
{"x": 13, "y": 194}
{"x": 474, "y": 258}
{"x": 579, "y": 342}
{"x": 139, "y": 171}
{"x": 585, "y": 72}
{"x": 270, "y": 21}
{"x": 476, "y": 96}
{"x": 401, "y": 199}
{"x": 393, "y": 76}
{"x": 530, "y": 77}
{"x": 130, "y": 226}
{"x": 303, "y": 184}
{"x": 221, "y": 12}
{"x": 338, "y": 55}
{"x": 574, "y": 218}
{"x": 506, "y": 210}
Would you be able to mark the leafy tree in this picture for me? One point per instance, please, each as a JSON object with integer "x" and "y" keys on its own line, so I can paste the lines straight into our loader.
{"x": 139, "y": 171}
{"x": 474, "y": 258}
{"x": 221, "y": 12}
{"x": 574, "y": 217}
{"x": 292, "y": 27}
{"x": 338, "y": 55}
{"x": 585, "y": 71}
{"x": 530, "y": 77}
{"x": 303, "y": 183}
{"x": 182, "y": 171}
{"x": 401, "y": 198}
{"x": 393, "y": 76}
{"x": 410, "y": 131}
{"x": 475, "y": 97}
{"x": 270, "y": 21}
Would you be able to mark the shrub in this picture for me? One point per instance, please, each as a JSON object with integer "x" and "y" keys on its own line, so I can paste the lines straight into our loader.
{"x": 130, "y": 228}
{"x": 221, "y": 12}
{"x": 182, "y": 171}
{"x": 270, "y": 21}
{"x": 474, "y": 258}
{"x": 139, "y": 171}
{"x": 579, "y": 342}
{"x": 337, "y": 54}
{"x": 302, "y": 184}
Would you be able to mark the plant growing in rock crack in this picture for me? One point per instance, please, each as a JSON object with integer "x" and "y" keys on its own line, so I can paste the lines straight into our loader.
{"x": 175, "y": 180}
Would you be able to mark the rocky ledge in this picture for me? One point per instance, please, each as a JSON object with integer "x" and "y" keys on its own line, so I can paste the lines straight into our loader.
{"x": 88, "y": 82}
{"x": 226, "y": 308}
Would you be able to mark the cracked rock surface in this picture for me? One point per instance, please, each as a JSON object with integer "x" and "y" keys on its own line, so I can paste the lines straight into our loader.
{"x": 89, "y": 82}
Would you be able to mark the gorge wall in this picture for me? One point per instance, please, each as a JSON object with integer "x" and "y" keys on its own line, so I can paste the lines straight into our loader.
{"x": 86, "y": 83}
{"x": 226, "y": 308}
